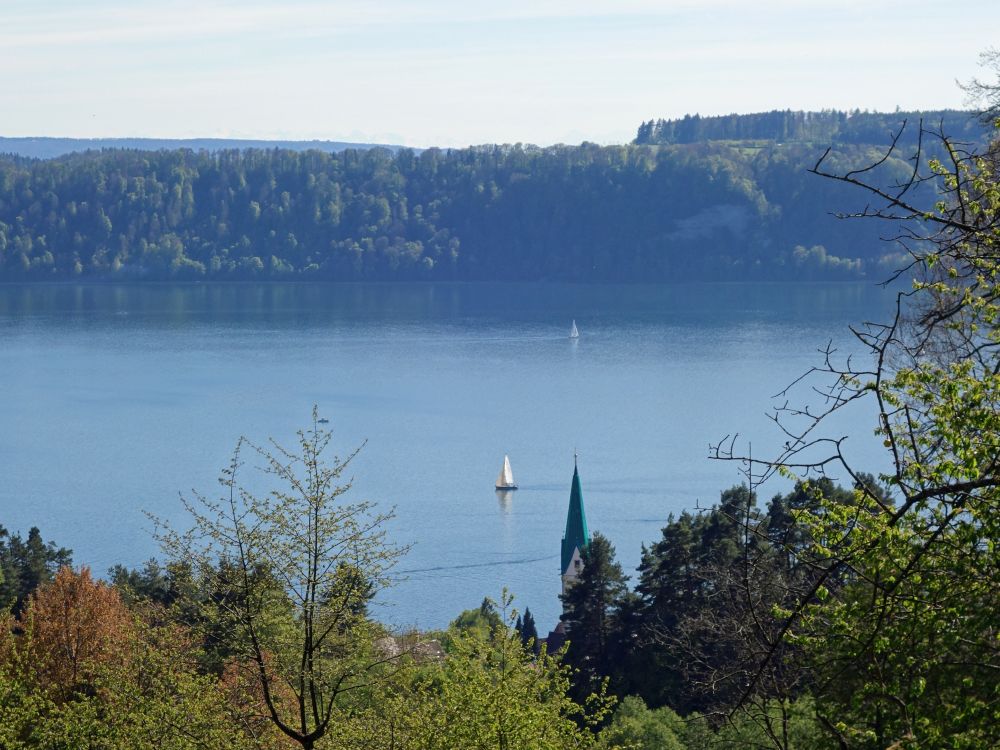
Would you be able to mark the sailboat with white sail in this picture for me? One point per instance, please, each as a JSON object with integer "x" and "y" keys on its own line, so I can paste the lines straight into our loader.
{"x": 505, "y": 481}
{"x": 573, "y": 332}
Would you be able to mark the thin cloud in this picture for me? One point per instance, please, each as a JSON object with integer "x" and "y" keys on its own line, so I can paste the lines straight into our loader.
{"x": 39, "y": 24}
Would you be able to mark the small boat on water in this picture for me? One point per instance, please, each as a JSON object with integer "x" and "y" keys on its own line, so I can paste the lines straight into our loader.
{"x": 573, "y": 332}
{"x": 505, "y": 481}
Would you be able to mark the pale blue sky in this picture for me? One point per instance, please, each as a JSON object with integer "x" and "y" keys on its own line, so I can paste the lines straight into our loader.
{"x": 449, "y": 73}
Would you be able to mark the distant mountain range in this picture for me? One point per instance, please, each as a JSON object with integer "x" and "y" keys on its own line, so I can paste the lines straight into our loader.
{"x": 50, "y": 148}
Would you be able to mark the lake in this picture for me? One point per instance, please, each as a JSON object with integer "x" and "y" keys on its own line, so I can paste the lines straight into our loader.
{"x": 118, "y": 398}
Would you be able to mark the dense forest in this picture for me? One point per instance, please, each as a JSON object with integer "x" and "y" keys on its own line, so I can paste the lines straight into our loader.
{"x": 724, "y": 198}
{"x": 831, "y": 127}
{"x": 48, "y": 147}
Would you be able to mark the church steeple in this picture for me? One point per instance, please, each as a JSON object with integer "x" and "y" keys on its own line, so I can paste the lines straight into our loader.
{"x": 577, "y": 535}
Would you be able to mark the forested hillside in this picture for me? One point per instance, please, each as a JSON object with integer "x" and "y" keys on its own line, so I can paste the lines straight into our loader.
{"x": 712, "y": 209}
{"x": 819, "y": 128}
{"x": 48, "y": 148}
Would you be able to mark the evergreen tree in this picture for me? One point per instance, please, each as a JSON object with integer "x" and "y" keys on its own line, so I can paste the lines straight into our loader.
{"x": 528, "y": 630}
{"x": 25, "y": 564}
{"x": 699, "y": 586}
{"x": 591, "y": 610}
{"x": 668, "y": 581}
{"x": 152, "y": 583}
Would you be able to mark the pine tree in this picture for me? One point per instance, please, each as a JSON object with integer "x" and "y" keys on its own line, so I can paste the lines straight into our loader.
{"x": 528, "y": 630}
{"x": 591, "y": 610}
{"x": 27, "y": 564}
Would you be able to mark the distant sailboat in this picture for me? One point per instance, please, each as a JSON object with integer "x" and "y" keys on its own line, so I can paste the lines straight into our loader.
{"x": 573, "y": 333}
{"x": 505, "y": 481}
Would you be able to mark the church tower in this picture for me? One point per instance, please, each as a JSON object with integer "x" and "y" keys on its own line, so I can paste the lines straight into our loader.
{"x": 577, "y": 536}
{"x": 575, "y": 540}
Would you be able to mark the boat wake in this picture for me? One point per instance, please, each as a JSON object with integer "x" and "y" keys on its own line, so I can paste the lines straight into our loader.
{"x": 496, "y": 563}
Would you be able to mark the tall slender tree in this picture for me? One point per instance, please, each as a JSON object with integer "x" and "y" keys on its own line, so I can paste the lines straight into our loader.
{"x": 291, "y": 573}
{"x": 528, "y": 629}
{"x": 591, "y": 608}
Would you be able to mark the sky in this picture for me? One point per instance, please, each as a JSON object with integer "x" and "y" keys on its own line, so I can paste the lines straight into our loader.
{"x": 454, "y": 73}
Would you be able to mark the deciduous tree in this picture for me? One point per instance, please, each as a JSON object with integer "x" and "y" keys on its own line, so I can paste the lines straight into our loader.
{"x": 905, "y": 653}
{"x": 291, "y": 572}
{"x": 73, "y": 626}
{"x": 493, "y": 693}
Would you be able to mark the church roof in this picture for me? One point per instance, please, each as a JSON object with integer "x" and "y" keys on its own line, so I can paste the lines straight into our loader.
{"x": 577, "y": 535}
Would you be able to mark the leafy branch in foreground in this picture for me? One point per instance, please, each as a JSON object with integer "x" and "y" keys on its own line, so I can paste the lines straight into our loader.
{"x": 292, "y": 571}
{"x": 903, "y": 650}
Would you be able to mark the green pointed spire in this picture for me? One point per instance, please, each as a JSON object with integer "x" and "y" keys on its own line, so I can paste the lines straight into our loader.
{"x": 577, "y": 535}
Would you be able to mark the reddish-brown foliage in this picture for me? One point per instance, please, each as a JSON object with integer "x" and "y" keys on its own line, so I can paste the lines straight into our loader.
{"x": 241, "y": 685}
{"x": 72, "y": 626}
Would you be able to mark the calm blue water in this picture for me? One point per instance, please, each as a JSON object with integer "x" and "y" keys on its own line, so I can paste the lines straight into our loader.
{"x": 116, "y": 399}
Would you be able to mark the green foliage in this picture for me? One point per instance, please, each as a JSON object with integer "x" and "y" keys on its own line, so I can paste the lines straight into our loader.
{"x": 150, "y": 697}
{"x": 153, "y": 583}
{"x": 591, "y": 612}
{"x": 495, "y": 693}
{"x": 898, "y": 628}
{"x": 829, "y": 126}
{"x": 25, "y": 564}
{"x": 784, "y": 724}
{"x": 478, "y": 623}
{"x": 691, "y": 607}
{"x": 635, "y": 726}
{"x": 704, "y": 633}
{"x": 288, "y": 576}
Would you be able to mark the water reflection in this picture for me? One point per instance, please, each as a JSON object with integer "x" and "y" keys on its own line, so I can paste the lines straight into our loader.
{"x": 297, "y": 305}
{"x": 504, "y": 498}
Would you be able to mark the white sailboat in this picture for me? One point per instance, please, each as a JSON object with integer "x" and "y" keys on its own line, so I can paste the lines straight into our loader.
{"x": 505, "y": 481}
{"x": 573, "y": 333}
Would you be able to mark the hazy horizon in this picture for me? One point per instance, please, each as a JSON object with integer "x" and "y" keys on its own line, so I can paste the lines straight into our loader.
{"x": 340, "y": 141}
